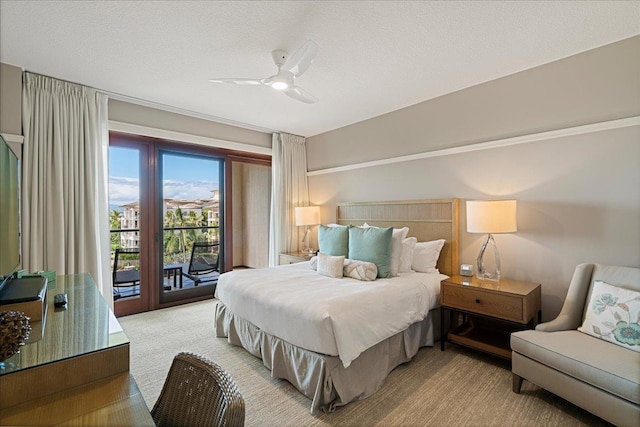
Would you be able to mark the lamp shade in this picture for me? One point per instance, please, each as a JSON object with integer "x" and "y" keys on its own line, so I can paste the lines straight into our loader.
{"x": 491, "y": 216}
{"x": 307, "y": 215}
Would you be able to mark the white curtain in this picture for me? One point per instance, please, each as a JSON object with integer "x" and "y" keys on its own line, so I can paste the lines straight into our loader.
{"x": 65, "y": 220}
{"x": 288, "y": 190}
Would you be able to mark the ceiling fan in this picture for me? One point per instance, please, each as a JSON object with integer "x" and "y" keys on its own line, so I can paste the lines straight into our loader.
{"x": 289, "y": 68}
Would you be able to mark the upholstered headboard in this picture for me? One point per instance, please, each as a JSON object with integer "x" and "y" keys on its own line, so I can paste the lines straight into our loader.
{"x": 427, "y": 220}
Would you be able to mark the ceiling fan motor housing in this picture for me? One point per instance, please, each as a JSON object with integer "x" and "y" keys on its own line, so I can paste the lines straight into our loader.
{"x": 279, "y": 57}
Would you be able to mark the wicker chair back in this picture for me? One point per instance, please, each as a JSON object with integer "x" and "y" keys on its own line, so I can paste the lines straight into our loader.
{"x": 198, "y": 392}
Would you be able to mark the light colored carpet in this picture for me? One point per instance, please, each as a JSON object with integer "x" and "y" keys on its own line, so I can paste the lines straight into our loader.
{"x": 457, "y": 387}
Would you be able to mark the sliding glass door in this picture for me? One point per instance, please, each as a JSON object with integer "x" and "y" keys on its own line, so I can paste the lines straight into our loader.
{"x": 167, "y": 222}
{"x": 192, "y": 214}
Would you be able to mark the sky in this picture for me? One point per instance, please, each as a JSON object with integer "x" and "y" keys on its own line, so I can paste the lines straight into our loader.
{"x": 185, "y": 177}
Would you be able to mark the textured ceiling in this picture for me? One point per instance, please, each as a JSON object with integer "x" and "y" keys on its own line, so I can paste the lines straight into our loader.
{"x": 374, "y": 57}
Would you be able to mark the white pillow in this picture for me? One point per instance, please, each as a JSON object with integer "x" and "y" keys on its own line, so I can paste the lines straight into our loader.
{"x": 397, "y": 237}
{"x": 330, "y": 266}
{"x": 425, "y": 256}
{"x": 613, "y": 315}
{"x": 406, "y": 255}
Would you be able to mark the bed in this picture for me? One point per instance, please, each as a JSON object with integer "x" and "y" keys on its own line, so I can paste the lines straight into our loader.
{"x": 336, "y": 340}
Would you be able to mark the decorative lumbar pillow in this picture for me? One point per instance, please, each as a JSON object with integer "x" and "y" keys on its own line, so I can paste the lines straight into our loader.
{"x": 396, "y": 247}
{"x": 333, "y": 240}
{"x": 330, "y": 266}
{"x": 372, "y": 245}
{"x": 613, "y": 314}
{"x": 406, "y": 255}
{"x": 361, "y": 270}
{"x": 425, "y": 256}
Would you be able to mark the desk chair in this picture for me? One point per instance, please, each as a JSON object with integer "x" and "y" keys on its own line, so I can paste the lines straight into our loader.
{"x": 198, "y": 392}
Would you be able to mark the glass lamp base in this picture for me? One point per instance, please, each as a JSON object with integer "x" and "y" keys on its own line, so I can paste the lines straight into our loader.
{"x": 305, "y": 244}
{"x": 488, "y": 261}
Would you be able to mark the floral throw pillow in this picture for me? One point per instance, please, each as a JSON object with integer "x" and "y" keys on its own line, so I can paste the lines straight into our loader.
{"x": 613, "y": 315}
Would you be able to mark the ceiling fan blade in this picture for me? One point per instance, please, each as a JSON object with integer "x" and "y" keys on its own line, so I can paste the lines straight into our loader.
{"x": 301, "y": 59}
{"x": 300, "y": 94}
{"x": 238, "y": 81}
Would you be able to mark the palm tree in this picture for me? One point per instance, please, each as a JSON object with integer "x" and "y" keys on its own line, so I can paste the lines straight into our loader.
{"x": 172, "y": 241}
{"x": 115, "y": 223}
{"x": 178, "y": 243}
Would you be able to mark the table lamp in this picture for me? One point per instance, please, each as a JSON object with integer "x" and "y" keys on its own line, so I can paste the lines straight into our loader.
{"x": 307, "y": 216}
{"x": 491, "y": 217}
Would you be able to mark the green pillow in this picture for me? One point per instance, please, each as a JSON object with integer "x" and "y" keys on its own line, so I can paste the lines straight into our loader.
{"x": 372, "y": 245}
{"x": 334, "y": 241}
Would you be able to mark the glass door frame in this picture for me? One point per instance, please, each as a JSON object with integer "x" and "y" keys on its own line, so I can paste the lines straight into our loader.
{"x": 144, "y": 301}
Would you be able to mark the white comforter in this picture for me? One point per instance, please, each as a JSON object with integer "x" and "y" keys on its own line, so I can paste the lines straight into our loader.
{"x": 338, "y": 317}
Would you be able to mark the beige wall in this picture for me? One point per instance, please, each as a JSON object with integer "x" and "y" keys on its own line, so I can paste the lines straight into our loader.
{"x": 251, "y": 189}
{"x": 602, "y": 84}
{"x": 10, "y": 99}
{"x": 11, "y": 104}
{"x": 579, "y": 196}
{"x": 237, "y": 223}
{"x": 256, "y": 201}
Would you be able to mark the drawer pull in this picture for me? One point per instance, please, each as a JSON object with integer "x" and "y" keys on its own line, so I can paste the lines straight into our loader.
{"x": 477, "y": 301}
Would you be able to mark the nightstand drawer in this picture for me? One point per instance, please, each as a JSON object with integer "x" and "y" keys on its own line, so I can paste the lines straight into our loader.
{"x": 502, "y": 306}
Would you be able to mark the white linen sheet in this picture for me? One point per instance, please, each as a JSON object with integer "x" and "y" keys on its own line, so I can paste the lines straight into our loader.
{"x": 334, "y": 316}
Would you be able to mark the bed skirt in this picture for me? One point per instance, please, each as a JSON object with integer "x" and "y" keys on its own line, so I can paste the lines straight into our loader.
{"x": 323, "y": 378}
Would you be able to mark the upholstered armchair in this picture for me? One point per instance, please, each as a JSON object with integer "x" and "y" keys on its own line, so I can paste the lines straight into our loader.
{"x": 600, "y": 376}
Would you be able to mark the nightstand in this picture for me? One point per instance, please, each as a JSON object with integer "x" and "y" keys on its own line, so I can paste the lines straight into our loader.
{"x": 483, "y": 313}
{"x": 293, "y": 257}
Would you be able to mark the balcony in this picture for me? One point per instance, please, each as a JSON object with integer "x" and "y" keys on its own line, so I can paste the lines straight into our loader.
{"x": 177, "y": 249}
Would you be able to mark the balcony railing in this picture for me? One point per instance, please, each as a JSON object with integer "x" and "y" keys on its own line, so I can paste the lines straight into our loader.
{"x": 176, "y": 241}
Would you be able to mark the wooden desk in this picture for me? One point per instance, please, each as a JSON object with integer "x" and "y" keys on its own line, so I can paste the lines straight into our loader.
{"x": 75, "y": 369}
{"x": 113, "y": 401}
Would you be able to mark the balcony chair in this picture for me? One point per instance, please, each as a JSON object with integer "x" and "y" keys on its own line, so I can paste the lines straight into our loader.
{"x": 198, "y": 392}
{"x": 125, "y": 278}
{"x": 204, "y": 261}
